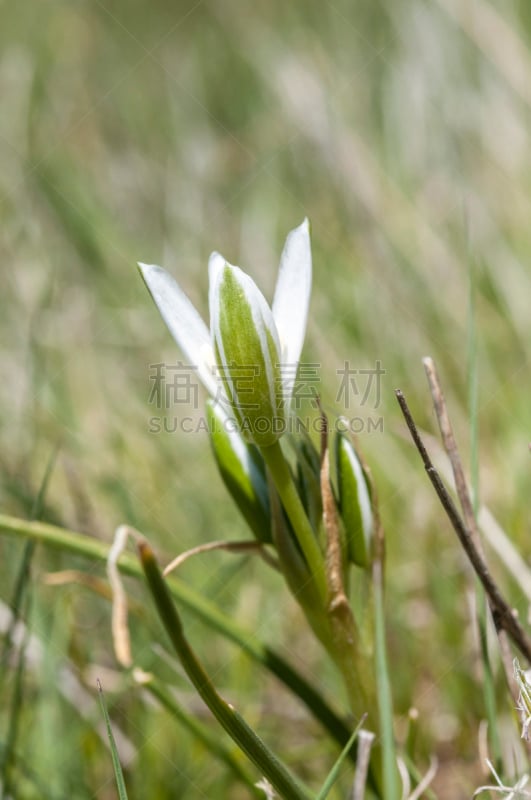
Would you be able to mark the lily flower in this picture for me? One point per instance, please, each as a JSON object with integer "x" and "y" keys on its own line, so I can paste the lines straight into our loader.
{"x": 240, "y": 360}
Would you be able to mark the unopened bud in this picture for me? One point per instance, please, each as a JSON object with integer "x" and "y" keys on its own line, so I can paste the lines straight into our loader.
{"x": 354, "y": 502}
{"x": 247, "y": 351}
{"x": 242, "y": 469}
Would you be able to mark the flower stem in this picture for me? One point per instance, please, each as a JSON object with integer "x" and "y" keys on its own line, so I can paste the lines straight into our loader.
{"x": 285, "y": 485}
{"x": 203, "y": 733}
{"x": 387, "y": 756}
{"x": 286, "y": 784}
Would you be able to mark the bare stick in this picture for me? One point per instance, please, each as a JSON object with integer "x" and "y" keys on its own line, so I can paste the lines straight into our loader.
{"x": 450, "y": 446}
{"x": 463, "y": 493}
{"x": 365, "y": 741}
{"x": 502, "y": 613}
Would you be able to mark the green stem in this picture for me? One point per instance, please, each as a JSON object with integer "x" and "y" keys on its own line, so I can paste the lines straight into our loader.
{"x": 269, "y": 765}
{"x": 203, "y": 733}
{"x": 390, "y": 781}
{"x": 285, "y": 485}
{"x": 87, "y": 547}
{"x": 356, "y": 672}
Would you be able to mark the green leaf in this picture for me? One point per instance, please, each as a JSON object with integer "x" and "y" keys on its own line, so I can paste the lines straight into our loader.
{"x": 334, "y": 772}
{"x": 242, "y": 734}
{"x": 203, "y": 733}
{"x": 95, "y": 550}
{"x": 118, "y": 774}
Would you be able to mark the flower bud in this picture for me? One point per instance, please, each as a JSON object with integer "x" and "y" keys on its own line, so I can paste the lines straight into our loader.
{"x": 354, "y": 502}
{"x": 247, "y": 352}
{"x": 242, "y": 469}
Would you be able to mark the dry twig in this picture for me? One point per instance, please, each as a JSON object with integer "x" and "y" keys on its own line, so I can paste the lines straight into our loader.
{"x": 503, "y": 616}
{"x": 450, "y": 445}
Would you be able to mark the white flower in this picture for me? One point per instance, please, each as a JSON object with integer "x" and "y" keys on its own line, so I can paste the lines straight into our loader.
{"x": 249, "y": 343}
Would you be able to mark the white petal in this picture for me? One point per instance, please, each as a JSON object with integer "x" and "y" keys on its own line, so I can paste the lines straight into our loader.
{"x": 183, "y": 321}
{"x": 216, "y": 262}
{"x": 292, "y": 293}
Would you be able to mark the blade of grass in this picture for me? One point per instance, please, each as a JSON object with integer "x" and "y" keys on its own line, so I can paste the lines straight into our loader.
{"x": 334, "y": 772}
{"x": 23, "y": 573}
{"x": 117, "y": 767}
{"x": 15, "y": 708}
{"x": 202, "y": 733}
{"x": 21, "y": 588}
{"x": 482, "y": 608}
{"x": 391, "y": 789}
{"x": 245, "y": 737}
{"x": 87, "y": 547}
{"x": 36, "y": 787}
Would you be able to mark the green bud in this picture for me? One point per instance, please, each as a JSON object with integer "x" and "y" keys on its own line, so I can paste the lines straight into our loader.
{"x": 247, "y": 352}
{"x": 354, "y": 502}
{"x": 242, "y": 470}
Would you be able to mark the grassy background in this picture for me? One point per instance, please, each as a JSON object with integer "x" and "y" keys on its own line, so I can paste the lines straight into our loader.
{"x": 159, "y": 132}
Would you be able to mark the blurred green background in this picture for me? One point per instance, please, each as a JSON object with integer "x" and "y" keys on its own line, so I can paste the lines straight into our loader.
{"x": 159, "y": 132}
